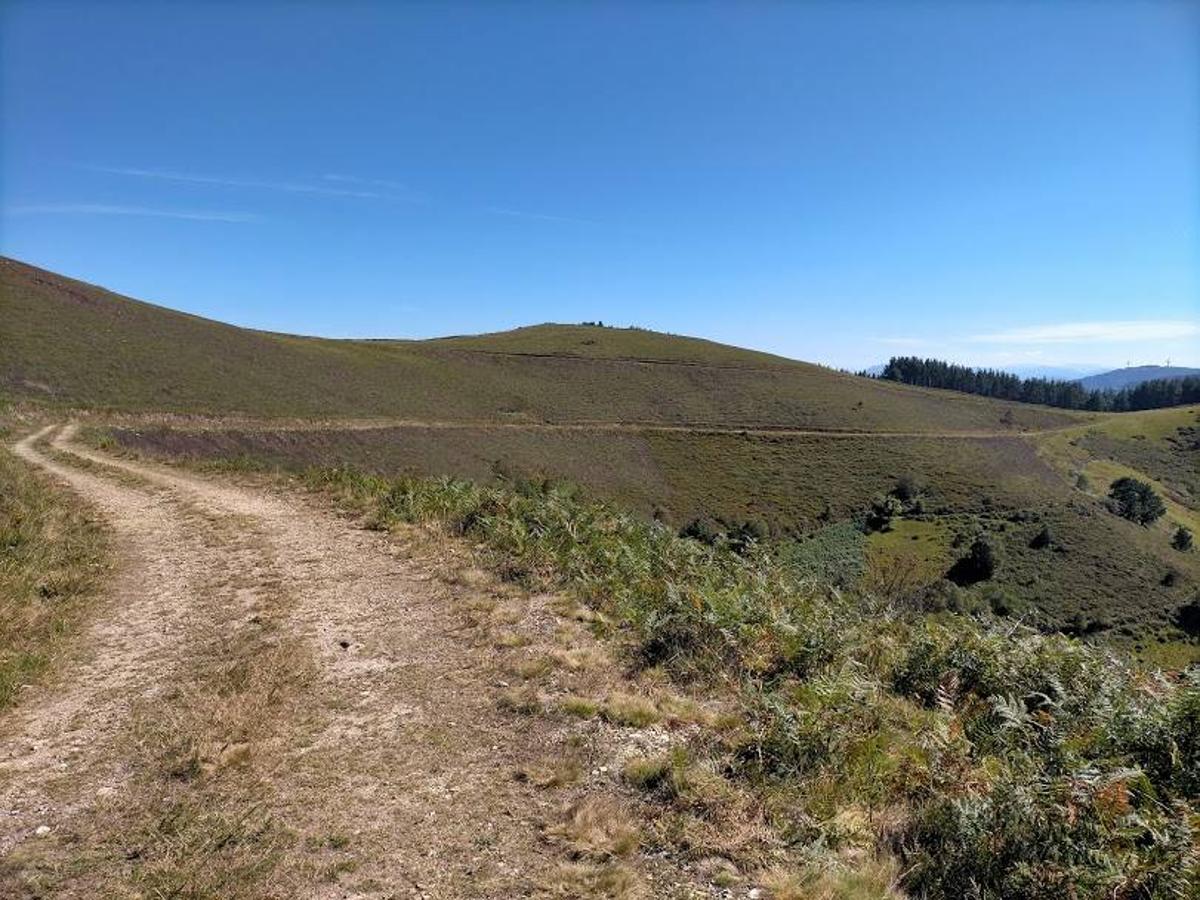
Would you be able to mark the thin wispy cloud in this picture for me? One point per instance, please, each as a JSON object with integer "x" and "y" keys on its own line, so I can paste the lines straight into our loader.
{"x": 107, "y": 209}
{"x": 1093, "y": 332}
{"x": 543, "y": 217}
{"x": 367, "y": 182}
{"x": 288, "y": 187}
{"x": 331, "y": 184}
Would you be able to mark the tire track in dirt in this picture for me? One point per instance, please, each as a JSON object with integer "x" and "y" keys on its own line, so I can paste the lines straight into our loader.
{"x": 404, "y": 763}
{"x": 414, "y": 766}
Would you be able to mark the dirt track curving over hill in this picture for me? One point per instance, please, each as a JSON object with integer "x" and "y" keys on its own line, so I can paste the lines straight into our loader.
{"x": 273, "y": 701}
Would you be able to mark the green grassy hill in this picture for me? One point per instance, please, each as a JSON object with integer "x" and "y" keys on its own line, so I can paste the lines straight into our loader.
{"x": 72, "y": 343}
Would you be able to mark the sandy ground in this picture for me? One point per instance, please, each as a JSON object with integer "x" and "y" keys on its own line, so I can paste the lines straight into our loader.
{"x": 273, "y": 701}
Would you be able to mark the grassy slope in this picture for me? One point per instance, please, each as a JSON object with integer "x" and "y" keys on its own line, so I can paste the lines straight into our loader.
{"x": 1162, "y": 443}
{"x": 77, "y": 344}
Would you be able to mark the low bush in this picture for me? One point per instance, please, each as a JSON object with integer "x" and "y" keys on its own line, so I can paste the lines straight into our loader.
{"x": 979, "y": 564}
{"x": 1182, "y": 539}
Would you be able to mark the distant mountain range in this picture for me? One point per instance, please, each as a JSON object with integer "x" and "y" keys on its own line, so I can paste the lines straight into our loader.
{"x": 1133, "y": 376}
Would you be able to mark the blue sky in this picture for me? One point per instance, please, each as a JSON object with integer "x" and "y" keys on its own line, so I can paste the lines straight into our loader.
{"x": 1006, "y": 184}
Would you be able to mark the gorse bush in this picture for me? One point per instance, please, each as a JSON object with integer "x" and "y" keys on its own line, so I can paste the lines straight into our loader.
{"x": 1003, "y": 763}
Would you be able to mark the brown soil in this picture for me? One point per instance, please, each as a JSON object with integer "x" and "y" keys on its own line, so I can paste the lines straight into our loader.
{"x": 274, "y": 701}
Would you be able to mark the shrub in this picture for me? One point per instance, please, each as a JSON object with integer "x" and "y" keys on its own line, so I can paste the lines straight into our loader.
{"x": 1043, "y": 539}
{"x": 941, "y": 596}
{"x": 701, "y": 530}
{"x": 742, "y": 536}
{"x": 1044, "y": 837}
{"x": 907, "y": 488}
{"x": 1135, "y": 500}
{"x": 1182, "y": 539}
{"x": 1187, "y": 617}
{"x": 834, "y": 555}
{"x": 979, "y": 564}
{"x": 883, "y": 510}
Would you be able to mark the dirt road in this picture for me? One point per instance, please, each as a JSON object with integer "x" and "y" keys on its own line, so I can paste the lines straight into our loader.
{"x": 273, "y": 701}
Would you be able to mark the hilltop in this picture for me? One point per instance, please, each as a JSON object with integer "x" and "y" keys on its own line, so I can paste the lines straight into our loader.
{"x": 1133, "y": 376}
{"x": 73, "y": 343}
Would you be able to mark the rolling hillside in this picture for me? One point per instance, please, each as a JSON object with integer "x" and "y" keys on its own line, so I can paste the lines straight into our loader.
{"x": 676, "y": 428}
{"x": 70, "y": 343}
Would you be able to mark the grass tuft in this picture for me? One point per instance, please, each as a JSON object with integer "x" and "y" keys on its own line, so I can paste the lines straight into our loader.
{"x": 580, "y": 707}
{"x": 597, "y": 828}
{"x": 630, "y": 710}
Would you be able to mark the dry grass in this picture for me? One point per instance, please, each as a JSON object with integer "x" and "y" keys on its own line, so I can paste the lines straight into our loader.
{"x": 195, "y": 823}
{"x": 533, "y": 667}
{"x": 581, "y": 658}
{"x": 647, "y": 772}
{"x": 564, "y": 767}
{"x": 867, "y": 879}
{"x": 589, "y": 881}
{"x": 630, "y": 709}
{"x": 208, "y": 748}
{"x": 580, "y": 707}
{"x": 506, "y": 639}
{"x": 52, "y": 554}
{"x": 524, "y": 700}
{"x": 193, "y": 820}
{"x": 597, "y": 828}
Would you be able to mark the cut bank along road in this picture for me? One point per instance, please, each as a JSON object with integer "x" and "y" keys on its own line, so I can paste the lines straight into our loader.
{"x": 270, "y": 702}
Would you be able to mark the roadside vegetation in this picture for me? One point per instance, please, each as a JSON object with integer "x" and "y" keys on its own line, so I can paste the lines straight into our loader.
{"x": 51, "y": 554}
{"x": 955, "y": 754}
